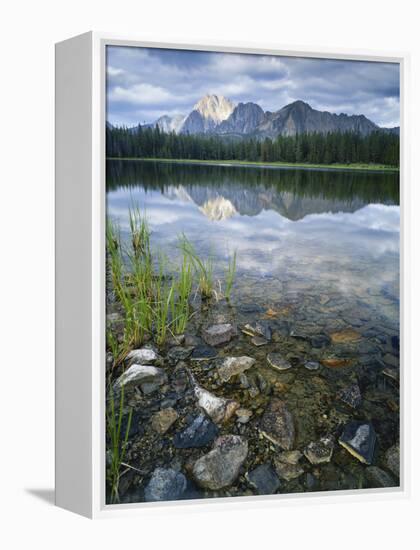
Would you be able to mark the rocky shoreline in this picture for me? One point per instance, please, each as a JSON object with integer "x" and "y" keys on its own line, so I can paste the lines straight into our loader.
{"x": 260, "y": 401}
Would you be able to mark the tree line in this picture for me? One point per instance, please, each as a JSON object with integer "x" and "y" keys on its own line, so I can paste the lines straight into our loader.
{"x": 314, "y": 148}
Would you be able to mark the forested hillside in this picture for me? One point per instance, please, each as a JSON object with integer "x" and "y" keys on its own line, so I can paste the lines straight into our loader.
{"x": 316, "y": 148}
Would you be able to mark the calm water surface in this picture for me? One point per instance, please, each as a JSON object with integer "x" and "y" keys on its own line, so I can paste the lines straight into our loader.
{"x": 295, "y": 231}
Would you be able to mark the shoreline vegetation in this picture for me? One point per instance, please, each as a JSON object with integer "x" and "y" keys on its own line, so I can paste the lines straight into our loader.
{"x": 154, "y": 299}
{"x": 154, "y": 295}
{"x": 268, "y": 165}
{"x": 303, "y": 149}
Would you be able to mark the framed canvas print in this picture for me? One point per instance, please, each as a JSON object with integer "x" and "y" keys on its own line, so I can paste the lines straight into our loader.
{"x": 228, "y": 271}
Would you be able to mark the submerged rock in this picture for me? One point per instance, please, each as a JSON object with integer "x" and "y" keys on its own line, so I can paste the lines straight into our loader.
{"x": 379, "y": 478}
{"x": 264, "y": 479}
{"x": 259, "y": 328}
{"x": 320, "y": 341}
{"x": 143, "y": 356}
{"x": 199, "y": 433}
{"x": 215, "y": 335}
{"x": 259, "y": 341}
{"x": 163, "y": 420}
{"x": 220, "y": 467}
{"x": 359, "y": 439}
{"x": 345, "y": 336}
{"x": 178, "y": 353}
{"x": 287, "y": 465}
{"x": 141, "y": 374}
{"x": 336, "y": 362}
{"x": 203, "y": 353}
{"x": 278, "y": 362}
{"x": 165, "y": 484}
{"x": 392, "y": 459}
{"x": 232, "y": 366}
{"x": 351, "y": 395}
{"x": 287, "y": 471}
{"x": 318, "y": 452}
{"x": 391, "y": 360}
{"x": 277, "y": 425}
{"x": 289, "y": 457}
{"x": 311, "y": 365}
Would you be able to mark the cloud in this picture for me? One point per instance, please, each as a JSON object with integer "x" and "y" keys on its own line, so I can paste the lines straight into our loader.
{"x": 140, "y": 94}
{"x": 112, "y": 71}
{"x": 144, "y": 81}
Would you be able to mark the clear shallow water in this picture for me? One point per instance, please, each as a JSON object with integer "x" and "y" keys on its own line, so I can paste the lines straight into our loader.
{"x": 318, "y": 260}
{"x": 293, "y": 230}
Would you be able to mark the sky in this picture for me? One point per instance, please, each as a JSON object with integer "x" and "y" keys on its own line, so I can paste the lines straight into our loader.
{"x": 146, "y": 83}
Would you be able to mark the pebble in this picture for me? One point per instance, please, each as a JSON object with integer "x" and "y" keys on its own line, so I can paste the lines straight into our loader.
{"x": 264, "y": 479}
{"x": 278, "y": 362}
{"x": 319, "y": 452}
{"x": 163, "y": 420}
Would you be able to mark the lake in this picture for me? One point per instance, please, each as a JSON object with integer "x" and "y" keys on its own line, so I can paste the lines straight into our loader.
{"x": 295, "y": 231}
{"x": 317, "y": 259}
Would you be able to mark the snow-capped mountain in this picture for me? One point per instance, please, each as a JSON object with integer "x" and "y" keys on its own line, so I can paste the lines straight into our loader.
{"x": 207, "y": 114}
{"x": 218, "y": 115}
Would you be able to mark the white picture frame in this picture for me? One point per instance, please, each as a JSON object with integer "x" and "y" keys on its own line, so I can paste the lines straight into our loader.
{"x": 80, "y": 276}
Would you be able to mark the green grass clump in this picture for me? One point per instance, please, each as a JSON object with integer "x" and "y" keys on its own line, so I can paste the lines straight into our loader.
{"x": 180, "y": 307}
{"x": 154, "y": 298}
{"x": 204, "y": 268}
{"x": 230, "y": 276}
{"x": 117, "y": 444}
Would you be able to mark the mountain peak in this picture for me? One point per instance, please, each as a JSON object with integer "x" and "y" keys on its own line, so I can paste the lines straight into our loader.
{"x": 214, "y": 107}
{"x": 299, "y": 104}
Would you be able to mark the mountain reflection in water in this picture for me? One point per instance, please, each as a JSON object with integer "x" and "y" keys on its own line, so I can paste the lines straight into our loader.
{"x": 305, "y": 229}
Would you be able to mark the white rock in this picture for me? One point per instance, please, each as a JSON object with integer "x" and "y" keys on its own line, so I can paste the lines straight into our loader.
{"x": 218, "y": 409}
{"x": 139, "y": 374}
{"x": 142, "y": 356}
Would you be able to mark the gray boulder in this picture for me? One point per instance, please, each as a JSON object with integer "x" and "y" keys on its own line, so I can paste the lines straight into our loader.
{"x": 200, "y": 432}
{"x": 137, "y": 375}
{"x": 277, "y": 424}
{"x": 263, "y": 479}
{"x": 215, "y": 335}
{"x": 220, "y": 467}
{"x": 165, "y": 484}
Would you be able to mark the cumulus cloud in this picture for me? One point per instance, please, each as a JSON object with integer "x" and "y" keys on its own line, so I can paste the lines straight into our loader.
{"x": 145, "y": 83}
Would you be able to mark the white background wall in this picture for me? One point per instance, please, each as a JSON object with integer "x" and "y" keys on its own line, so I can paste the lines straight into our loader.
{"x": 28, "y": 32}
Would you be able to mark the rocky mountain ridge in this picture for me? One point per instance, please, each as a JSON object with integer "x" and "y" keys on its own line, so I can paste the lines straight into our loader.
{"x": 217, "y": 115}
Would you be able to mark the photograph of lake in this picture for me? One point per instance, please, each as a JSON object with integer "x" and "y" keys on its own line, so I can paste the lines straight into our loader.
{"x": 252, "y": 275}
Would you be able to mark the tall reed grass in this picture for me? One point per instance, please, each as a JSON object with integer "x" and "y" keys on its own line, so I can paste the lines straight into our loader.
{"x": 155, "y": 299}
{"x": 230, "y": 276}
{"x": 117, "y": 443}
{"x": 204, "y": 268}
